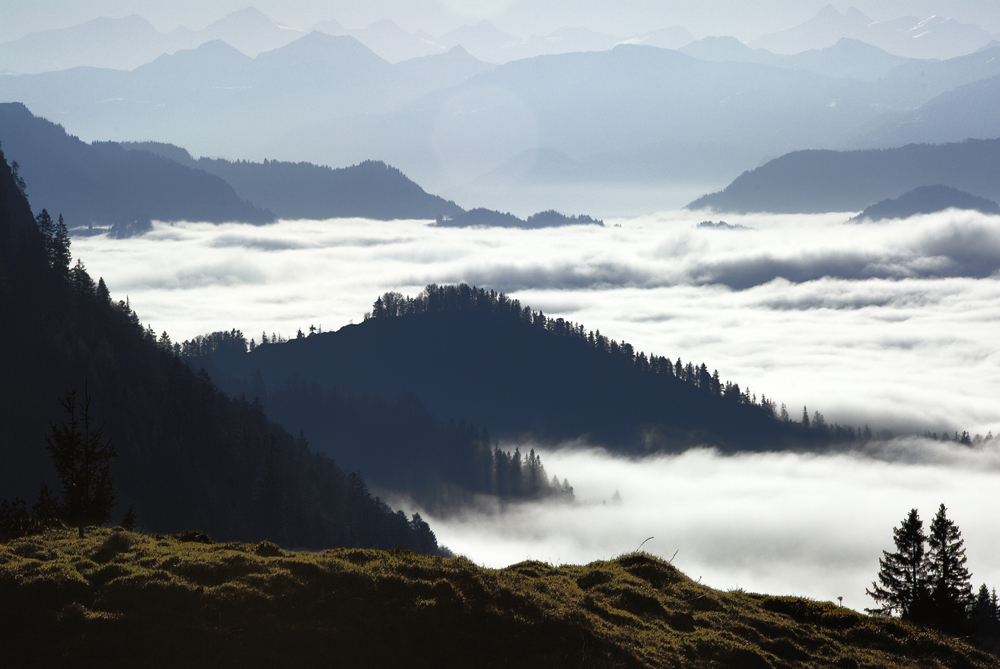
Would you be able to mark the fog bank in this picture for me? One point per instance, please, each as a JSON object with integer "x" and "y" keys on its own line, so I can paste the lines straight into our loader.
{"x": 780, "y": 523}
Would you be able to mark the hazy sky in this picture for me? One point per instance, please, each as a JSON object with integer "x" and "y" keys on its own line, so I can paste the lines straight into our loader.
{"x": 747, "y": 19}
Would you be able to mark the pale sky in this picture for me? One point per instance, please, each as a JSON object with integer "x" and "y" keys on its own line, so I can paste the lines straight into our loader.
{"x": 746, "y": 20}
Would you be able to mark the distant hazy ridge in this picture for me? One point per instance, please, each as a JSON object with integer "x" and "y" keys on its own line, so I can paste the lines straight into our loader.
{"x": 810, "y": 182}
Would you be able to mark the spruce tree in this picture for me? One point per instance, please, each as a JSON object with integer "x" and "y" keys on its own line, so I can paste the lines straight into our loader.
{"x": 985, "y": 615}
{"x": 61, "y": 257}
{"x": 902, "y": 579}
{"x": 47, "y": 227}
{"x": 83, "y": 464}
{"x": 949, "y": 581}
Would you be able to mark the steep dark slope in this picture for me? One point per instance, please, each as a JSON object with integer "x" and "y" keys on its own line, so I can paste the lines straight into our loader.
{"x": 370, "y": 189}
{"x": 102, "y": 184}
{"x": 478, "y": 355}
{"x": 810, "y": 182}
{"x": 188, "y": 454}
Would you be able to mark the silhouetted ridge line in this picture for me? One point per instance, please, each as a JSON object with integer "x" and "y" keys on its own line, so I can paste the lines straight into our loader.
{"x": 99, "y": 186}
{"x": 369, "y": 189}
{"x": 445, "y": 299}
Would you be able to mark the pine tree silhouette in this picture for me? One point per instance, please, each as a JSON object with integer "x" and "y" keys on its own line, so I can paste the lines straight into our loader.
{"x": 949, "y": 580}
{"x": 902, "y": 577}
{"x": 83, "y": 464}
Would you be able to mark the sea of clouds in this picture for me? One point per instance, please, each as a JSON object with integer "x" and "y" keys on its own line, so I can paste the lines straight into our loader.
{"x": 892, "y": 324}
{"x": 889, "y": 324}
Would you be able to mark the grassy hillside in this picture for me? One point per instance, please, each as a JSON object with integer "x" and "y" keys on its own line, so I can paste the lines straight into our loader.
{"x": 122, "y": 599}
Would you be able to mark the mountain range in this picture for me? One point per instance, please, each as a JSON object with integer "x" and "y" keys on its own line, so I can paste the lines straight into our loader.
{"x": 912, "y": 37}
{"x": 633, "y": 114}
{"x": 122, "y": 187}
{"x": 128, "y": 42}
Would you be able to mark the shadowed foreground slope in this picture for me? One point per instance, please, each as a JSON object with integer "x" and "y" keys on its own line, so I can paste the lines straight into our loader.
{"x": 129, "y": 600}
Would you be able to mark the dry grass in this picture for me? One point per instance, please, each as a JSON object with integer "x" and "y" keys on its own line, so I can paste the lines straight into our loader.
{"x": 120, "y": 599}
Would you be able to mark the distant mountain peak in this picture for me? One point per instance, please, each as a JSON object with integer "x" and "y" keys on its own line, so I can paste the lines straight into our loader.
{"x": 242, "y": 16}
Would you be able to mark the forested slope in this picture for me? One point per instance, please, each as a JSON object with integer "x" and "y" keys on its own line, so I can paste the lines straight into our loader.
{"x": 188, "y": 455}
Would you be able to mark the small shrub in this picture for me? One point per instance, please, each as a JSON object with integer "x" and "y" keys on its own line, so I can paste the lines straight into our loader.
{"x": 115, "y": 544}
{"x": 130, "y": 519}
{"x": 195, "y": 536}
{"x": 268, "y": 549}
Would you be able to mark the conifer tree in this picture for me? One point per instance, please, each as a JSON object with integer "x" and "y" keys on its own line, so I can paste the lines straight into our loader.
{"x": 83, "y": 462}
{"x": 985, "y": 614}
{"x": 949, "y": 581}
{"x": 902, "y": 578}
{"x": 61, "y": 257}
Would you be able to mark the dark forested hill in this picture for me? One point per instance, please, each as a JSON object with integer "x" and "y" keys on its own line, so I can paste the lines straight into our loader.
{"x": 102, "y": 184}
{"x": 479, "y": 355}
{"x": 370, "y": 189}
{"x": 810, "y": 182}
{"x": 188, "y": 455}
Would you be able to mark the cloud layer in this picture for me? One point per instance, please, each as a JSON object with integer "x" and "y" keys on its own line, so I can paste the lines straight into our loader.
{"x": 891, "y": 324}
